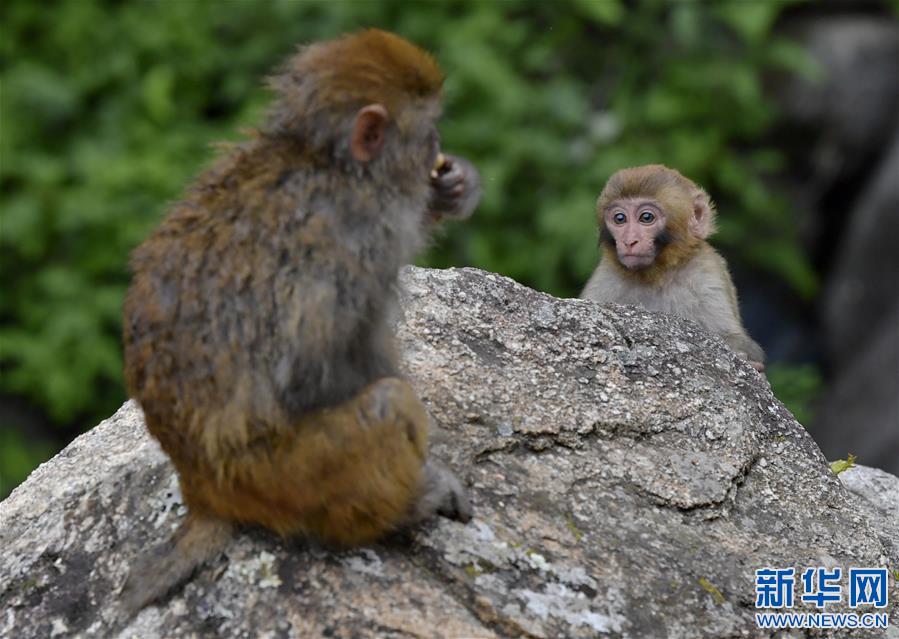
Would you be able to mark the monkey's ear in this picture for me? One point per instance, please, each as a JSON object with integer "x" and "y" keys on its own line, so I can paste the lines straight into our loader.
{"x": 368, "y": 132}
{"x": 702, "y": 221}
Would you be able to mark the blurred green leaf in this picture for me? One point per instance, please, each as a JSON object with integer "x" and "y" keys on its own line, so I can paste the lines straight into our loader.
{"x": 842, "y": 465}
{"x": 18, "y": 457}
{"x": 791, "y": 57}
{"x": 158, "y": 87}
{"x": 751, "y": 20}
{"x": 603, "y": 11}
{"x": 797, "y": 386}
{"x": 784, "y": 258}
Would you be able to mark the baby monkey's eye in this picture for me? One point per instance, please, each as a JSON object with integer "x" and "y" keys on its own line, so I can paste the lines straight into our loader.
{"x": 619, "y": 218}
{"x": 647, "y": 217}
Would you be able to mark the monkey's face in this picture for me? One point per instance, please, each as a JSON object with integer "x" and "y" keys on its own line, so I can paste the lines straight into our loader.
{"x": 635, "y": 227}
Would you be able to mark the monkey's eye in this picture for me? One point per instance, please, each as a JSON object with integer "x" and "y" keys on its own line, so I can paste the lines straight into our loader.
{"x": 647, "y": 217}
{"x": 619, "y": 218}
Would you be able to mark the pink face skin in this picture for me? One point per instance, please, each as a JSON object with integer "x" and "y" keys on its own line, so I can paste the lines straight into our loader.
{"x": 634, "y": 224}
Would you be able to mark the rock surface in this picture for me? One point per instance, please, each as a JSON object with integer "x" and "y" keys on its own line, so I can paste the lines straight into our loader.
{"x": 629, "y": 475}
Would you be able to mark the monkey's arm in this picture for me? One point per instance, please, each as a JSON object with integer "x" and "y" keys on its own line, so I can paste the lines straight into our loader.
{"x": 455, "y": 191}
{"x": 724, "y": 318}
{"x": 593, "y": 288}
{"x": 603, "y": 286}
{"x": 747, "y": 348}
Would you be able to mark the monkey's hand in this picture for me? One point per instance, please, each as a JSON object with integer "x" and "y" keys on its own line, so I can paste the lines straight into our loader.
{"x": 754, "y": 354}
{"x": 748, "y": 349}
{"x": 455, "y": 189}
{"x": 759, "y": 366}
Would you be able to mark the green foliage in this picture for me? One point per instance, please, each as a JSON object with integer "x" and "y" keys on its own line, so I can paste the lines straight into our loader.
{"x": 797, "y": 386}
{"x": 109, "y": 108}
{"x": 18, "y": 456}
{"x": 710, "y": 588}
{"x": 842, "y": 465}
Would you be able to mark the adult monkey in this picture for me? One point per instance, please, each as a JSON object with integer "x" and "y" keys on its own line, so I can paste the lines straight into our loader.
{"x": 653, "y": 228}
{"x": 255, "y": 329}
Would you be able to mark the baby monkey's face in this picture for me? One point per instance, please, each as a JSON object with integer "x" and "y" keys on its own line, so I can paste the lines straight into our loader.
{"x": 637, "y": 228}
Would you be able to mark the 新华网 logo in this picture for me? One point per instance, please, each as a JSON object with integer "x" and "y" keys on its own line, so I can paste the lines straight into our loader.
{"x": 775, "y": 588}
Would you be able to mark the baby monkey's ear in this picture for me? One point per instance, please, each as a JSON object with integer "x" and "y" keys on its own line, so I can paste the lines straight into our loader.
{"x": 702, "y": 223}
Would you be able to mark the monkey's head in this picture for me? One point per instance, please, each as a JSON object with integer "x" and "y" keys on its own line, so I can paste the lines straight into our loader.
{"x": 652, "y": 218}
{"x": 364, "y": 99}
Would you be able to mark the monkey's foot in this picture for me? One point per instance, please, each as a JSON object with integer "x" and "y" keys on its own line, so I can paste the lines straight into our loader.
{"x": 441, "y": 493}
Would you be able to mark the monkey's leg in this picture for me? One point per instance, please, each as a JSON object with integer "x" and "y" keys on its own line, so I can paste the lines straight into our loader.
{"x": 373, "y": 468}
{"x": 197, "y": 540}
{"x": 440, "y": 492}
{"x": 346, "y": 475}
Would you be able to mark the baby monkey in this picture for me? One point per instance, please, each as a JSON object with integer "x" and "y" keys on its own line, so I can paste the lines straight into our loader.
{"x": 653, "y": 227}
{"x": 256, "y": 326}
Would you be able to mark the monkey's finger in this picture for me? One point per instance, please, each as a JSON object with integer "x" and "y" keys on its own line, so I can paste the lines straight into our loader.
{"x": 441, "y": 166}
{"x": 451, "y": 177}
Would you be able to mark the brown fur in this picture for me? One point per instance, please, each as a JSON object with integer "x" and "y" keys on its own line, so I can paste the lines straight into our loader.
{"x": 344, "y": 474}
{"x": 255, "y": 328}
{"x": 342, "y": 75}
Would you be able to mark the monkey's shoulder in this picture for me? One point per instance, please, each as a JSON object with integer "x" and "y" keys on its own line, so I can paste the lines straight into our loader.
{"x": 708, "y": 266}
{"x": 254, "y": 166}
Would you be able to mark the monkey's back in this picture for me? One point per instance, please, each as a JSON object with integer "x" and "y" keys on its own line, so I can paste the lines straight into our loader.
{"x": 244, "y": 306}
{"x": 254, "y": 329}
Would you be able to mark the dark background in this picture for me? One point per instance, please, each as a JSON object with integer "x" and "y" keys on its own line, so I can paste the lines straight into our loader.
{"x": 786, "y": 112}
